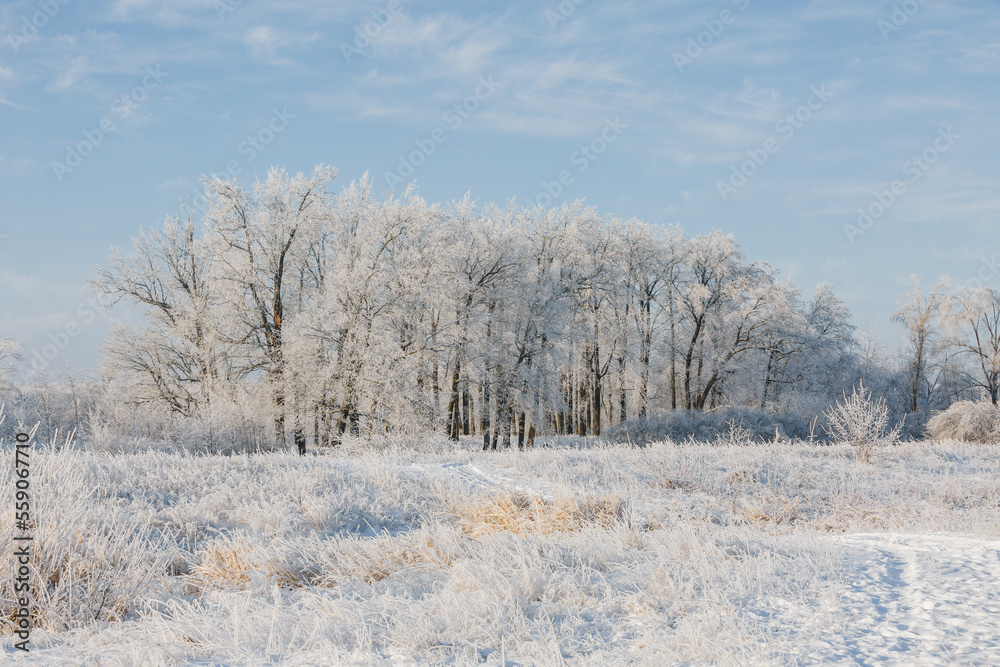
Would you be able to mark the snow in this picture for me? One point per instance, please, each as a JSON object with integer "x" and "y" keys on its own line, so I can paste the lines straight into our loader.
{"x": 771, "y": 554}
{"x": 924, "y": 599}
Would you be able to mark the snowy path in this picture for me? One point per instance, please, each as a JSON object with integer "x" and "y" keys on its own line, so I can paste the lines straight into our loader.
{"x": 916, "y": 600}
{"x": 474, "y": 478}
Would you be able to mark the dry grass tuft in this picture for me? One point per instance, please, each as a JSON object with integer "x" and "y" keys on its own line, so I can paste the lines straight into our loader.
{"x": 373, "y": 560}
{"x": 224, "y": 565}
{"x": 231, "y": 564}
{"x": 740, "y": 477}
{"x": 522, "y": 515}
{"x": 777, "y": 512}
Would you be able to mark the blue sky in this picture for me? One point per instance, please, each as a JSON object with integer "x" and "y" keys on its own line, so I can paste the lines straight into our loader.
{"x": 776, "y": 121}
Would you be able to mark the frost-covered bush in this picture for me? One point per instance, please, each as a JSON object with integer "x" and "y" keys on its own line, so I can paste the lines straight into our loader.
{"x": 971, "y": 421}
{"x": 862, "y": 422}
{"x": 725, "y": 425}
{"x": 238, "y": 421}
{"x": 393, "y": 442}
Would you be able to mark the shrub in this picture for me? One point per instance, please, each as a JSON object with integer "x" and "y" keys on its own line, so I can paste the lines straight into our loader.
{"x": 727, "y": 425}
{"x": 862, "y": 422}
{"x": 970, "y": 421}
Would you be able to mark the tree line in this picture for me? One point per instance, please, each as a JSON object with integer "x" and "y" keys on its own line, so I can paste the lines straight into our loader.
{"x": 323, "y": 314}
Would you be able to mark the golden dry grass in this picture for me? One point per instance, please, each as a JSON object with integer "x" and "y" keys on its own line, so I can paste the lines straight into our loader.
{"x": 781, "y": 512}
{"x": 225, "y": 565}
{"x": 522, "y": 515}
{"x": 230, "y": 565}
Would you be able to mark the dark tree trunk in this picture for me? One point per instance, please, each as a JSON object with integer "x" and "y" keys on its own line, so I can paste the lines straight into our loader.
{"x": 622, "y": 398}
{"x": 520, "y": 431}
{"x": 673, "y": 354}
{"x": 571, "y": 409}
{"x": 767, "y": 380}
{"x": 596, "y": 424}
{"x": 645, "y": 346}
{"x": 484, "y": 413}
{"x": 453, "y": 404}
{"x": 467, "y": 422}
{"x": 316, "y": 431}
{"x": 279, "y": 417}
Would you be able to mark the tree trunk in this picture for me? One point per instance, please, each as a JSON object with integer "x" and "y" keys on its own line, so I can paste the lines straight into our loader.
{"x": 484, "y": 412}
{"x": 673, "y": 354}
{"x": 467, "y": 410}
{"x": 436, "y": 390}
{"x": 622, "y": 398}
{"x": 645, "y": 345}
{"x": 571, "y": 409}
{"x": 453, "y": 403}
{"x": 918, "y": 366}
{"x": 316, "y": 429}
{"x": 300, "y": 439}
{"x": 767, "y": 379}
{"x": 279, "y": 415}
{"x": 596, "y": 430}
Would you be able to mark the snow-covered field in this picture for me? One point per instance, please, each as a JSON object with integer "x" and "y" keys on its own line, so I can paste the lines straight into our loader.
{"x": 769, "y": 554}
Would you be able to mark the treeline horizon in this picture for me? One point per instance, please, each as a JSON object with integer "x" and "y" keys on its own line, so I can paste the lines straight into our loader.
{"x": 286, "y": 312}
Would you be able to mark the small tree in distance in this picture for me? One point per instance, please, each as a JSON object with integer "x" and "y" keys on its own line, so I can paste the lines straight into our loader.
{"x": 862, "y": 422}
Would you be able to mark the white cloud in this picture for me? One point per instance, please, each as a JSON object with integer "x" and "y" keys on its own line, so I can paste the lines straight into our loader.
{"x": 14, "y": 105}
{"x": 262, "y": 41}
{"x": 74, "y": 72}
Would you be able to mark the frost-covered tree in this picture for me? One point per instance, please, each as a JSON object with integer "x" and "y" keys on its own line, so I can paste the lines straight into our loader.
{"x": 260, "y": 240}
{"x": 475, "y": 266}
{"x": 972, "y": 317}
{"x": 731, "y": 307}
{"x": 351, "y": 313}
{"x": 9, "y": 358}
{"x": 652, "y": 262}
{"x": 919, "y": 312}
{"x": 178, "y": 358}
{"x": 822, "y": 365}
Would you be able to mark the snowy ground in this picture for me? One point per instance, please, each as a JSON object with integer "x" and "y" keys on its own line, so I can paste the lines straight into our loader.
{"x": 917, "y": 599}
{"x": 778, "y": 554}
